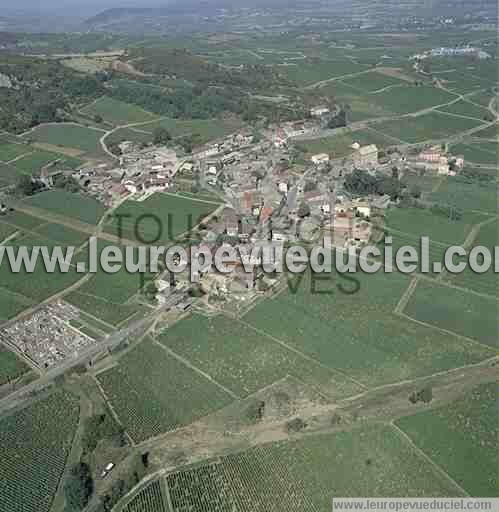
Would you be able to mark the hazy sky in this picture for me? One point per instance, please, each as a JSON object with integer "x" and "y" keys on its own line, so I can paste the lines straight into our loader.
{"x": 71, "y": 6}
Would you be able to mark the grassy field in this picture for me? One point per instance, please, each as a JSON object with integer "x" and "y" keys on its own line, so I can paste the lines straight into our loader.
{"x": 11, "y": 366}
{"x": 67, "y": 135}
{"x": 462, "y": 439}
{"x": 160, "y": 218}
{"x": 426, "y": 127}
{"x": 34, "y": 445}
{"x": 455, "y": 310}
{"x": 153, "y": 393}
{"x": 21, "y": 220}
{"x": 303, "y": 475}
{"x": 66, "y": 204}
{"x": 6, "y": 230}
{"x": 358, "y": 333}
{"x": 244, "y": 360}
{"x": 478, "y": 153}
{"x": 117, "y": 112}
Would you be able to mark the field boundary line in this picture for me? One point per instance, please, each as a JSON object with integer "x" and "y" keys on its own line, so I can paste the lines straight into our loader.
{"x": 406, "y": 297}
{"x": 189, "y": 365}
{"x": 418, "y": 379}
{"x": 111, "y": 409}
{"x": 445, "y": 331}
{"x": 426, "y": 457}
{"x": 298, "y": 352}
{"x": 166, "y": 489}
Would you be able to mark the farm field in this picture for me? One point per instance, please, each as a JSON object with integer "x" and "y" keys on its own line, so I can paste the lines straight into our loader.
{"x": 467, "y": 195}
{"x": 204, "y": 130}
{"x": 9, "y": 151}
{"x": 33, "y": 162}
{"x": 34, "y": 445}
{"x": 66, "y": 204}
{"x": 113, "y": 313}
{"x": 426, "y": 127}
{"x": 488, "y": 236}
{"x": 455, "y": 310}
{"x": 340, "y": 145}
{"x": 492, "y": 132}
{"x": 149, "y": 499}
{"x": 6, "y": 230}
{"x": 62, "y": 234}
{"x": 461, "y": 438}
{"x": 12, "y": 304}
{"x": 68, "y": 135}
{"x": 175, "y": 214}
{"x": 423, "y": 222}
{"x": 358, "y": 333}
{"x": 478, "y": 153}
{"x": 11, "y": 366}
{"x": 466, "y": 109}
{"x": 137, "y": 135}
{"x": 22, "y": 220}
{"x": 8, "y": 174}
{"x": 309, "y": 72}
{"x": 40, "y": 284}
{"x": 244, "y": 360}
{"x": 117, "y": 112}
{"x": 153, "y": 393}
{"x": 374, "y": 81}
{"x": 304, "y": 475}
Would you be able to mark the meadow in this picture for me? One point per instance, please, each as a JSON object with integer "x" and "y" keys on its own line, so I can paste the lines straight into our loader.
{"x": 9, "y": 175}
{"x": 34, "y": 445}
{"x": 68, "y": 205}
{"x": 117, "y": 112}
{"x": 69, "y": 135}
{"x": 303, "y": 475}
{"x": 491, "y": 133}
{"x": 33, "y": 162}
{"x": 461, "y": 438}
{"x": 152, "y": 392}
{"x": 455, "y": 310}
{"x": 355, "y": 330}
{"x": 11, "y": 305}
{"x": 159, "y": 219}
{"x": 245, "y": 360}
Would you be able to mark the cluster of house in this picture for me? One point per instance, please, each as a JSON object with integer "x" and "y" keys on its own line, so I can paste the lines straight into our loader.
{"x": 362, "y": 157}
{"x": 436, "y": 159}
{"x": 453, "y": 52}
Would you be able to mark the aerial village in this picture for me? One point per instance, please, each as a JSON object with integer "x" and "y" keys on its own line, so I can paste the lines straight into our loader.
{"x": 268, "y": 193}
